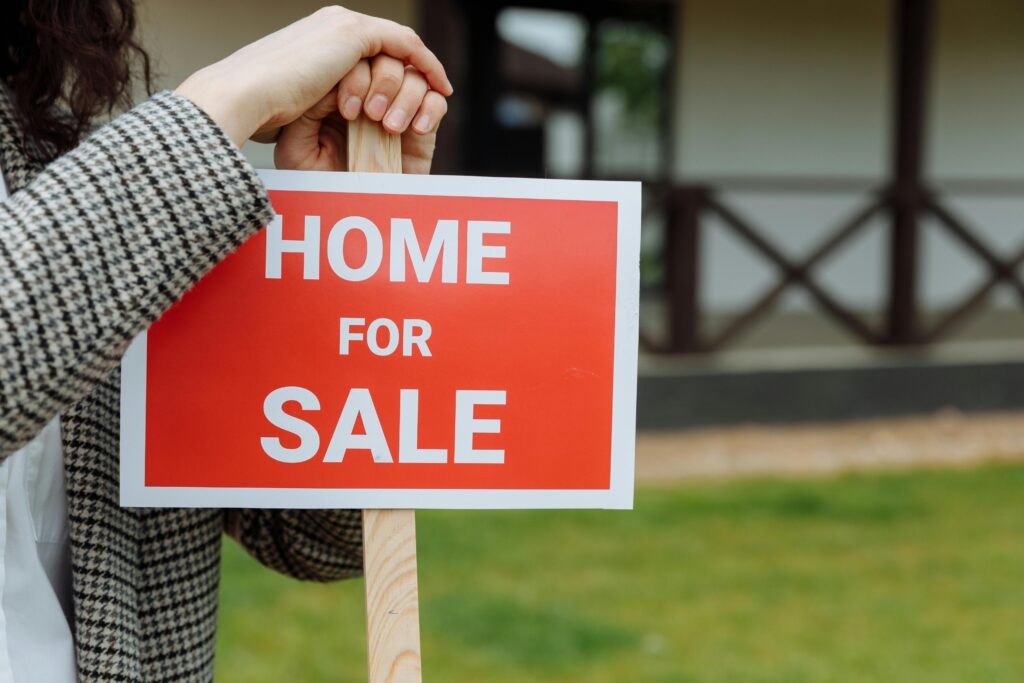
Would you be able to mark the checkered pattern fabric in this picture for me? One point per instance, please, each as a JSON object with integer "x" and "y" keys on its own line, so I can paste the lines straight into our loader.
{"x": 94, "y": 248}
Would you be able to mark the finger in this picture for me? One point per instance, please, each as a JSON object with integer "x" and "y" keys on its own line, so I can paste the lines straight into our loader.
{"x": 267, "y": 136}
{"x": 431, "y": 111}
{"x": 401, "y": 42}
{"x": 315, "y": 140}
{"x": 333, "y": 130}
{"x": 305, "y": 130}
{"x": 322, "y": 109}
{"x": 386, "y": 76}
{"x": 407, "y": 102}
{"x": 353, "y": 89}
{"x": 417, "y": 152}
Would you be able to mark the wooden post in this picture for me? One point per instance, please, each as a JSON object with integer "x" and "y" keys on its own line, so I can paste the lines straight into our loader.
{"x": 682, "y": 277}
{"x": 389, "y": 536}
{"x": 392, "y": 598}
{"x": 912, "y": 47}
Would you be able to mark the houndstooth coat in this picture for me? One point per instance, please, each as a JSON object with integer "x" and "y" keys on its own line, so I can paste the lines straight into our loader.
{"x": 94, "y": 248}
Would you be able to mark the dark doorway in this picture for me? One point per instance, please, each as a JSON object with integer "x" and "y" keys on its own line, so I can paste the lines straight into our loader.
{"x": 557, "y": 89}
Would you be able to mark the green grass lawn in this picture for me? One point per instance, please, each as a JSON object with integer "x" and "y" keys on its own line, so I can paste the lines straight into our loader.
{"x": 884, "y": 577}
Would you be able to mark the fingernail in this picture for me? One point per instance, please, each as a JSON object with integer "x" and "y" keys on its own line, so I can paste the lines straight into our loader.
{"x": 396, "y": 119}
{"x": 423, "y": 124}
{"x": 376, "y": 107}
{"x": 352, "y": 107}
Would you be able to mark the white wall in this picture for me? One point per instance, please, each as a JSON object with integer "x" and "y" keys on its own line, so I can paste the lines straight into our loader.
{"x": 978, "y": 89}
{"x": 782, "y": 87}
{"x": 976, "y": 130}
{"x": 185, "y": 35}
{"x": 802, "y": 87}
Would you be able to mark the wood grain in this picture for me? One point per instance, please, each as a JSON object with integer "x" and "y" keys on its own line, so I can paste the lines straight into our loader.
{"x": 392, "y": 596}
{"x": 371, "y": 149}
{"x": 389, "y": 536}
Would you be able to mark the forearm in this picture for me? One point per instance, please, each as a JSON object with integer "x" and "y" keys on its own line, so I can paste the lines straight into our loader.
{"x": 102, "y": 242}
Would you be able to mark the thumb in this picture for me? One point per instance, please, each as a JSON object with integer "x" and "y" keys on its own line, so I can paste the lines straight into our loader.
{"x": 301, "y": 143}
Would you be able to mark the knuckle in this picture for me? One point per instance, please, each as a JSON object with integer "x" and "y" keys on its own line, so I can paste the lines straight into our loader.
{"x": 436, "y": 106}
{"x": 337, "y": 16}
{"x": 361, "y": 79}
{"x": 415, "y": 79}
{"x": 359, "y": 73}
{"x": 331, "y": 11}
{"x": 354, "y": 85}
{"x": 385, "y": 63}
{"x": 409, "y": 36}
{"x": 387, "y": 81}
{"x": 400, "y": 35}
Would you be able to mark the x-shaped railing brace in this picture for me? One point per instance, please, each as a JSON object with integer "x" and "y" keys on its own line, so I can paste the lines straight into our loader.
{"x": 999, "y": 270}
{"x": 795, "y": 272}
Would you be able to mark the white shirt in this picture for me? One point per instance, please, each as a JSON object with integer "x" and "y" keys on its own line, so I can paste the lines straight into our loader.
{"x": 36, "y": 641}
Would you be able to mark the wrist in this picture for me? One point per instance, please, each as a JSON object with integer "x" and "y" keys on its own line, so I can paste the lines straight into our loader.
{"x": 224, "y": 101}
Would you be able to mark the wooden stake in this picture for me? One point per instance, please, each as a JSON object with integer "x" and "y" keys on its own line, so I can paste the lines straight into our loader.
{"x": 371, "y": 149}
{"x": 392, "y": 598}
{"x": 389, "y": 536}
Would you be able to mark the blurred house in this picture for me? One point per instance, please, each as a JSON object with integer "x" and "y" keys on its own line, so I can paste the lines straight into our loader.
{"x": 834, "y": 189}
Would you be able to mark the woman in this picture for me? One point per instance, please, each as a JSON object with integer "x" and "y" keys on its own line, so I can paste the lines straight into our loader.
{"x": 97, "y": 239}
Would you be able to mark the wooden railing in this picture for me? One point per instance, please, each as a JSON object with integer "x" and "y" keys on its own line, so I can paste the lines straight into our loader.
{"x": 688, "y": 207}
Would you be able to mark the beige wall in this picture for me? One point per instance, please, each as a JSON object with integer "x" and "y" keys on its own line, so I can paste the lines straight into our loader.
{"x": 978, "y": 89}
{"x": 802, "y": 87}
{"x": 185, "y": 35}
{"x": 782, "y": 87}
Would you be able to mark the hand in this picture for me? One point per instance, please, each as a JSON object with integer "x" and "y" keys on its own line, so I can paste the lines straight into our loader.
{"x": 272, "y": 82}
{"x": 386, "y": 90}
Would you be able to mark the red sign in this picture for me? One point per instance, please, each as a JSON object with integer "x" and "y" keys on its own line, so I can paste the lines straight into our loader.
{"x": 399, "y": 341}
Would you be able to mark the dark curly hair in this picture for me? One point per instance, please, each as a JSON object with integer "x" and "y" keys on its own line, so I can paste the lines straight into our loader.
{"x": 68, "y": 62}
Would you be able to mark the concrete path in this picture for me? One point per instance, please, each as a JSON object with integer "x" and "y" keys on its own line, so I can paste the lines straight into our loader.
{"x": 946, "y": 439}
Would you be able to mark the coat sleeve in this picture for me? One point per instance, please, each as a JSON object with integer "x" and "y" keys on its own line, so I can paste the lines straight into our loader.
{"x": 312, "y": 545}
{"x": 102, "y": 242}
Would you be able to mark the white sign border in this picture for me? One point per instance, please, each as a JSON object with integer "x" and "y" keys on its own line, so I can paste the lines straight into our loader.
{"x": 619, "y": 495}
